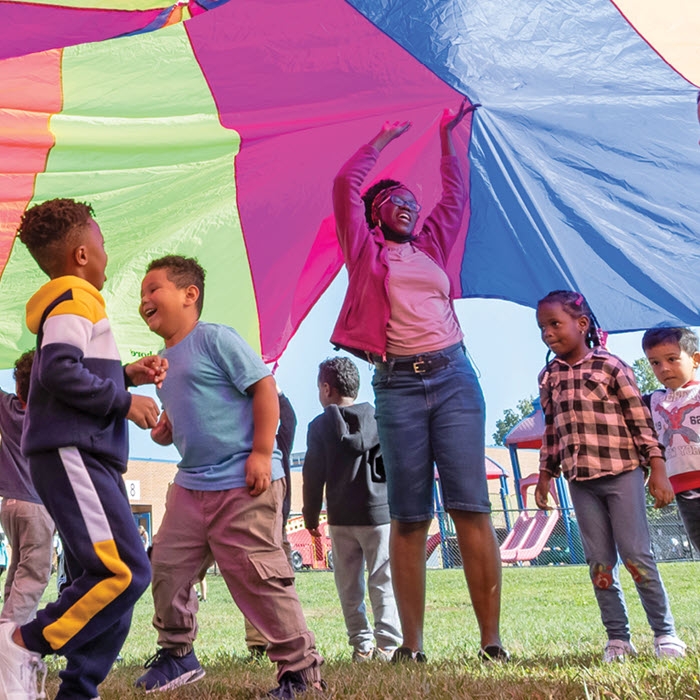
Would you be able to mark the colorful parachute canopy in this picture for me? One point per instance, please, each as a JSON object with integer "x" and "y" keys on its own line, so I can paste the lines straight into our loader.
{"x": 219, "y": 137}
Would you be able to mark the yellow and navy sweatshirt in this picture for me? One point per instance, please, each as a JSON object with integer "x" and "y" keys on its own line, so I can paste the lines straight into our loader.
{"x": 77, "y": 394}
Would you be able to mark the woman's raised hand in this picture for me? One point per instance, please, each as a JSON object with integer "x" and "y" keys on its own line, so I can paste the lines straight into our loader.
{"x": 388, "y": 132}
{"x": 448, "y": 122}
{"x": 450, "y": 119}
{"x": 395, "y": 129}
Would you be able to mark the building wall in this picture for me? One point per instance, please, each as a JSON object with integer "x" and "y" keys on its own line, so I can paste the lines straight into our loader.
{"x": 148, "y": 480}
{"x": 529, "y": 464}
{"x": 147, "y": 484}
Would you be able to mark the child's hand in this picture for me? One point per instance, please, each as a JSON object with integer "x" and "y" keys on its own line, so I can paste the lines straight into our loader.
{"x": 542, "y": 491}
{"x": 660, "y": 488}
{"x": 258, "y": 471}
{"x": 147, "y": 370}
{"x": 162, "y": 434}
{"x": 314, "y": 532}
{"x": 144, "y": 411}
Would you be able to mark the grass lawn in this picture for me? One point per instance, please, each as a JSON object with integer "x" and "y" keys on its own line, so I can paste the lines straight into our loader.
{"x": 550, "y": 623}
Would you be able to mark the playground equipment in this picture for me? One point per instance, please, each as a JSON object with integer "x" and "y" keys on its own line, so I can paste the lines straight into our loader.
{"x": 527, "y": 434}
{"x": 309, "y": 552}
{"x": 532, "y": 529}
{"x": 446, "y": 537}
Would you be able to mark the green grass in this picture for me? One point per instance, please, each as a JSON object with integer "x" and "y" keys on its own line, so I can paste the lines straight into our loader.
{"x": 550, "y": 623}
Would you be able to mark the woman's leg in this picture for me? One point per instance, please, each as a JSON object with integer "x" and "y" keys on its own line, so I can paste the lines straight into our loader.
{"x": 407, "y": 556}
{"x": 481, "y": 560}
{"x": 457, "y": 435}
{"x": 402, "y": 415}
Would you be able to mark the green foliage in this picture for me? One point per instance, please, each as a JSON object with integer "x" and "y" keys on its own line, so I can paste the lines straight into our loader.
{"x": 646, "y": 381}
{"x": 550, "y": 623}
{"x": 511, "y": 417}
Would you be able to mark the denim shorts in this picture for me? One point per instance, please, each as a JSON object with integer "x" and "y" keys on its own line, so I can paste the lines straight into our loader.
{"x": 427, "y": 420}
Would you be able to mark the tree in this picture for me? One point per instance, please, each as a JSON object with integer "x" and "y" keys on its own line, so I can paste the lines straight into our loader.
{"x": 511, "y": 417}
{"x": 643, "y": 373}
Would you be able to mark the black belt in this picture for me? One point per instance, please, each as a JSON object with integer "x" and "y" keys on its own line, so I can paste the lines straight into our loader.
{"x": 417, "y": 365}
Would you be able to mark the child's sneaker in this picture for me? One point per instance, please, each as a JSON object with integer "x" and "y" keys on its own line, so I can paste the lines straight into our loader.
{"x": 360, "y": 657}
{"x": 618, "y": 650}
{"x": 19, "y": 668}
{"x": 293, "y": 683}
{"x": 166, "y": 671}
{"x": 385, "y": 655}
{"x": 669, "y": 647}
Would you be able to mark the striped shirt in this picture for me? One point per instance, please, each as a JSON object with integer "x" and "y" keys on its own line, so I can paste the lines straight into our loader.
{"x": 596, "y": 423}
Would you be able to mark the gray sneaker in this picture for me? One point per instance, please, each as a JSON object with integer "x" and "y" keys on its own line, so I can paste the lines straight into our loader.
{"x": 19, "y": 668}
{"x": 361, "y": 657}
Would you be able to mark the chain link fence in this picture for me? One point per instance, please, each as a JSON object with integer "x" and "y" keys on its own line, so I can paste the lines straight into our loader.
{"x": 547, "y": 543}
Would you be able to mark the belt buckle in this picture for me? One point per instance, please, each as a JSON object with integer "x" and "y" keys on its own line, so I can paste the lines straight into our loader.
{"x": 420, "y": 367}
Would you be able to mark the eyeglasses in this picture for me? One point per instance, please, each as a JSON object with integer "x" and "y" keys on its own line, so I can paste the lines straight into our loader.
{"x": 410, "y": 204}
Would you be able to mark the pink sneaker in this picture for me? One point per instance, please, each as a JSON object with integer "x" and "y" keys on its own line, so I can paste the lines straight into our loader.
{"x": 618, "y": 650}
{"x": 669, "y": 647}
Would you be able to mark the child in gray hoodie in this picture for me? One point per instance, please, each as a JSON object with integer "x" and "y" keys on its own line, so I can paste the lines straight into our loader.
{"x": 343, "y": 455}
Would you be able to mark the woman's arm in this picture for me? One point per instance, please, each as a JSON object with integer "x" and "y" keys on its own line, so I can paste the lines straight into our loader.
{"x": 448, "y": 122}
{"x": 389, "y": 132}
{"x": 444, "y": 223}
{"x": 348, "y": 207}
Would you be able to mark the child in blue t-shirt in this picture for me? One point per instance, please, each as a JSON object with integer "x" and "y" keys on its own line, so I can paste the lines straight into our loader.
{"x": 221, "y": 411}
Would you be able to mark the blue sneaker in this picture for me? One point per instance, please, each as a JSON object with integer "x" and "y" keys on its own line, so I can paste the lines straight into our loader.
{"x": 293, "y": 683}
{"x": 166, "y": 671}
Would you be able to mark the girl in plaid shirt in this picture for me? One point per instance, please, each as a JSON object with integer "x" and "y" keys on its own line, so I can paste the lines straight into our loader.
{"x": 600, "y": 434}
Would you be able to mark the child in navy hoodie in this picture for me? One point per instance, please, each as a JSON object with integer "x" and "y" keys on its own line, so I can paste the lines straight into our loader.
{"x": 75, "y": 437}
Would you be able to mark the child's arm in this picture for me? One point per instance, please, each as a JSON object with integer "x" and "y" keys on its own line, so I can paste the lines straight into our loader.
{"x": 542, "y": 491}
{"x": 162, "y": 434}
{"x": 659, "y": 485}
{"x": 549, "y": 451}
{"x": 314, "y": 478}
{"x": 266, "y": 415}
{"x": 287, "y": 426}
{"x": 143, "y": 411}
{"x": 639, "y": 422}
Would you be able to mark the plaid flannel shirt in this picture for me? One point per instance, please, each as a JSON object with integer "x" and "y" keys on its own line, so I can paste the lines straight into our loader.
{"x": 596, "y": 423}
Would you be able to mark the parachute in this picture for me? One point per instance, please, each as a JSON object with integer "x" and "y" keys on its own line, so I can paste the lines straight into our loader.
{"x": 214, "y": 129}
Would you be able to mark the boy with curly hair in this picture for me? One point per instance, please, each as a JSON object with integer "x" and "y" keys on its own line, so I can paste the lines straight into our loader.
{"x": 75, "y": 438}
